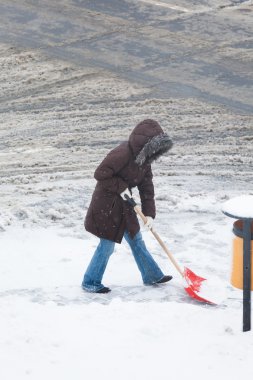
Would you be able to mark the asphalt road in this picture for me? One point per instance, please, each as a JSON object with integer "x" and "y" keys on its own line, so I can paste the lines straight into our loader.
{"x": 178, "y": 49}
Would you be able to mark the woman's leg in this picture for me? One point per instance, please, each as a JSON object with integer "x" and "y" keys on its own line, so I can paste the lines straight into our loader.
{"x": 95, "y": 271}
{"x": 150, "y": 271}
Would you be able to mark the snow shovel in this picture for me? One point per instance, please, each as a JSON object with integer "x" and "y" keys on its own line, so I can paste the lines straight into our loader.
{"x": 192, "y": 282}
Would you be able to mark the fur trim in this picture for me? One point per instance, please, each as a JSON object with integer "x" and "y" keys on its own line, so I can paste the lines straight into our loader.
{"x": 153, "y": 149}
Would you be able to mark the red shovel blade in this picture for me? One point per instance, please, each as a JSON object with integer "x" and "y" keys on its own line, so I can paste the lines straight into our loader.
{"x": 193, "y": 280}
{"x": 193, "y": 294}
{"x": 194, "y": 283}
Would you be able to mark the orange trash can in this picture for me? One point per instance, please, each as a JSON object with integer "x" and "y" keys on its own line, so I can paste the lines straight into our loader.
{"x": 237, "y": 259}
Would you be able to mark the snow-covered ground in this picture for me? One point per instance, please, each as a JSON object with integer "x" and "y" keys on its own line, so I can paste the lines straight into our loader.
{"x": 57, "y": 123}
{"x": 51, "y": 329}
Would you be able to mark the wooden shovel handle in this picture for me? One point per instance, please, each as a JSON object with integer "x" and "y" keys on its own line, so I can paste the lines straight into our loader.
{"x": 171, "y": 257}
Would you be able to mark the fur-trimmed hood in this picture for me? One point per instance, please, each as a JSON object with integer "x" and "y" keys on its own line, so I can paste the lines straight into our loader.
{"x": 148, "y": 141}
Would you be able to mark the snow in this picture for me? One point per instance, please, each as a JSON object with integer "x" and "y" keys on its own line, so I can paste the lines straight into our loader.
{"x": 239, "y": 207}
{"x": 57, "y": 123}
{"x": 125, "y": 340}
{"x": 213, "y": 290}
{"x": 50, "y": 328}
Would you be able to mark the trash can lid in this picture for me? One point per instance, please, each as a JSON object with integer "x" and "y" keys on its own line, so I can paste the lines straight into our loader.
{"x": 239, "y": 207}
{"x": 238, "y": 228}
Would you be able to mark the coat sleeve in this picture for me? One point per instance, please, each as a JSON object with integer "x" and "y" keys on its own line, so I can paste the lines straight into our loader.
{"x": 107, "y": 172}
{"x": 146, "y": 190}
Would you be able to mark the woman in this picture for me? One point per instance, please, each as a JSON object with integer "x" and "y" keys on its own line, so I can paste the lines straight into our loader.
{"x": 111, "y": 218}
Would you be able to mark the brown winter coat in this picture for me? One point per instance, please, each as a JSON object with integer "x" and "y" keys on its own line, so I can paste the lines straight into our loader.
{"x": 126, "y": 166}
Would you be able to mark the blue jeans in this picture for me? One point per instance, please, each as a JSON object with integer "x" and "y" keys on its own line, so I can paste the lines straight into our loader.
{"x": 150, "y": 271}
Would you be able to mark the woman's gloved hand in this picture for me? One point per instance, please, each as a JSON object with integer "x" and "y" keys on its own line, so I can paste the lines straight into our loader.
{"x": 126, "y": 192}
{"x": 149, "y": 223}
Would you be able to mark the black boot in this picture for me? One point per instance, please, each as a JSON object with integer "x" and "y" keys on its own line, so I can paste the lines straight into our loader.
{"x": 104, "y": 290}
{"x": 164, "y": 279}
